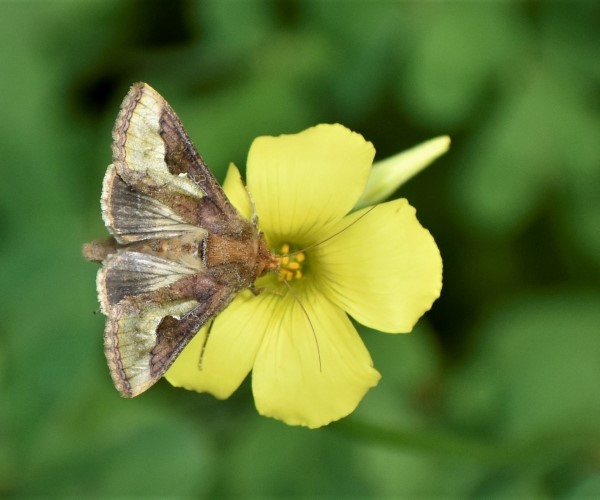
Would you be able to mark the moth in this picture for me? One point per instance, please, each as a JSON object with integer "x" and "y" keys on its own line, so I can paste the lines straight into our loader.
{"x": 179, "y": 252}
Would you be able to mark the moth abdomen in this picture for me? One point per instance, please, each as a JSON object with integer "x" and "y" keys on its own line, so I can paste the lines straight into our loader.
{"x": 98, "y": 250}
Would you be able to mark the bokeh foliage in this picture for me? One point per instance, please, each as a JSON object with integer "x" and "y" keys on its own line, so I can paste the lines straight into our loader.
{"x": 496, "y": 393}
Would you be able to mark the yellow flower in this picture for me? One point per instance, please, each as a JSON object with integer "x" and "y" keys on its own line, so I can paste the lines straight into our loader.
{"x": 379, "y": 266}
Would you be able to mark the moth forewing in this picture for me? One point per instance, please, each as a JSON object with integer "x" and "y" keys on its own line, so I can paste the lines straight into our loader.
{"x": 181, "y": 251}
{"x": 129, "y": 342}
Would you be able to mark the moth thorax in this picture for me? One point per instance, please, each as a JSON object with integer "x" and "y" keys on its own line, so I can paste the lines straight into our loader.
{"x": 290, "y": 264}
{"x": 222, "y": 250}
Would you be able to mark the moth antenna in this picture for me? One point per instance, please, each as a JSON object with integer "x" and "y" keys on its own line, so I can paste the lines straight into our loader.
{"x": 210, "y": 325}
{"x": 334, "y": 234}
{"x": 254, "y": 214}
{"x": 297, "y": 299}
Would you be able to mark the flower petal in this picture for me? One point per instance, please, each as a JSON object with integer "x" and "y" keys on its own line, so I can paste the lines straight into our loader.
{"x": 389, "y": 174}
{"x": 307, "y": 180}
{"x": 230, "y": 351}
{"x": 311, "y": 372}
{"x": 236, "y": 192}
{"x": 385, "y": 269}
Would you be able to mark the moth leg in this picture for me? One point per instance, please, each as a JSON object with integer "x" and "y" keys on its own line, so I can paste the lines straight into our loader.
{"x": 209, "y": 329}
{"x": 256, "y": 291}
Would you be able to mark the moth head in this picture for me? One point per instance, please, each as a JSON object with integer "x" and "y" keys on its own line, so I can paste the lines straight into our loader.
{"x": 266, "y": 260}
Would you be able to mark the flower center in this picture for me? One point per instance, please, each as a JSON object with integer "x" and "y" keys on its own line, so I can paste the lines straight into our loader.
{"x": 290, "y": 264}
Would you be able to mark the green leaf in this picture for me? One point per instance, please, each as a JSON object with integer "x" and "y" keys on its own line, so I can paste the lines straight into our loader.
{"x": 535, "y": 371}
{"x": 526, "y": 152}
{"x": 457, "y": 50}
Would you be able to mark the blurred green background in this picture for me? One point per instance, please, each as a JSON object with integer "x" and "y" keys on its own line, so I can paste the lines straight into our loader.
{"x": 497, "y": 392}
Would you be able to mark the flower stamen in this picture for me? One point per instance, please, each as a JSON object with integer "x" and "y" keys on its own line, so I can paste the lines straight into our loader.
{"x": 290, "y": 264}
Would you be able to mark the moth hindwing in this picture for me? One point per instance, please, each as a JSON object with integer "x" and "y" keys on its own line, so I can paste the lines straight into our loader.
{"x": 179, "y": 252}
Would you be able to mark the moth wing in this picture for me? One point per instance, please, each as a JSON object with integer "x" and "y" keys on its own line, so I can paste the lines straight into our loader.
{"x": 158, "y": 188}
{"x": 147, "y": 328}
{"x": 131, "y": 215}
{"x": 151, "y": 146}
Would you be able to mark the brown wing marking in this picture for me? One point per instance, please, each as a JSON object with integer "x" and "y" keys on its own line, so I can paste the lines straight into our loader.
{"x": 173, "y": 335}
{"x": 182, "y": 158}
